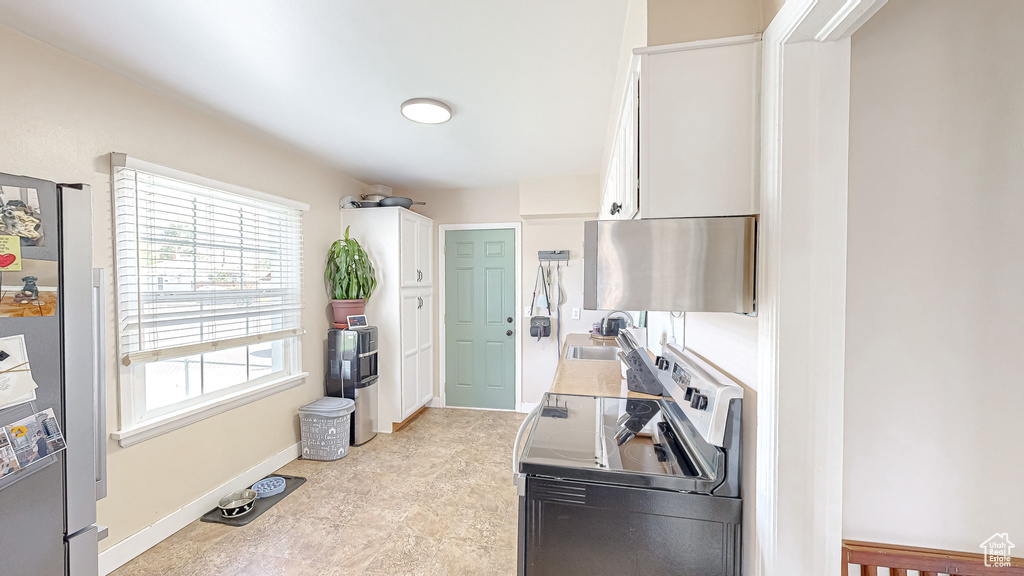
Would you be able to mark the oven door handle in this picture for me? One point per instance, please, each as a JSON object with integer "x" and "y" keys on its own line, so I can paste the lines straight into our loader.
{"x": 519, "y": 479}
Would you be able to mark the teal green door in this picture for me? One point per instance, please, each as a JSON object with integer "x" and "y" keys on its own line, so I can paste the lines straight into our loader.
{"x": 480, "y": 338}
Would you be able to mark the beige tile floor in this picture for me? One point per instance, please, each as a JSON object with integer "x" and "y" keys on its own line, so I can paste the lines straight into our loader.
{"x": 434, "y": 499}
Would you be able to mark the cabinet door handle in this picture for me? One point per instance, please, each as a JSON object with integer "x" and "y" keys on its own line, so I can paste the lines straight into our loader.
{"x": 420, "y": 300}
{"x": 616, "y": 208}
{"x": 419, "y": 275}
{"x": 509, "y": 320}
{"x": 508, "y": 333}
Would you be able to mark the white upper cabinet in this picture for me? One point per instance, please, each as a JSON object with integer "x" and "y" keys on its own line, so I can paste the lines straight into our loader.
{"x": 699, "y": 129}
{"x": 424, "y": 251}
{"x": 688, "y": 133}
{"x": 417, "y": 234}
{"x": 620, "y": 195}
{"x": 407, "y": 236}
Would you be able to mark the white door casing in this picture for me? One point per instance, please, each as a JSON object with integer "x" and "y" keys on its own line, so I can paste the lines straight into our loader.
{"x": 802, "y": 278}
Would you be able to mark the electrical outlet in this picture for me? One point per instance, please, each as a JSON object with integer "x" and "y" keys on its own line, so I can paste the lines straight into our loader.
{"x": 526, "y": 311}
{"x": 575, "y": 313}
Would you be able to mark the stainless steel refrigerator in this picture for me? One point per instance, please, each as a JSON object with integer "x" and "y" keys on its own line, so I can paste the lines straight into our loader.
{"x": 48, "y": 506}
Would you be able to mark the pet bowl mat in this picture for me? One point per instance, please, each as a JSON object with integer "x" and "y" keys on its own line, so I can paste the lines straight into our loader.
{"x": 260, "y": 506}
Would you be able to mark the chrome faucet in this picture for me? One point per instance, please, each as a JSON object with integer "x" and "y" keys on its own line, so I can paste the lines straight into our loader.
{"x": 604, "y": 321}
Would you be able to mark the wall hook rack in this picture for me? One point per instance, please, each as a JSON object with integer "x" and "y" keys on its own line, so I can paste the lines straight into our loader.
{"x": 553, "y": 255}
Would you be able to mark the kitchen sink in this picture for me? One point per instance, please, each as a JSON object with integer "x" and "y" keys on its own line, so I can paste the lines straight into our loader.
{"x": 605, "y": 353}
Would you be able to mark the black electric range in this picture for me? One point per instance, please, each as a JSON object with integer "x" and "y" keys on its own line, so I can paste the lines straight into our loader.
{"x": 616, "y": 486}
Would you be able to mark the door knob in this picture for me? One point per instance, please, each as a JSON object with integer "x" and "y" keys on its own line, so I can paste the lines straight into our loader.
{"x": 509, "y": 320}
{"x": 508, "y": 333}
{"x": 616, "y": 208}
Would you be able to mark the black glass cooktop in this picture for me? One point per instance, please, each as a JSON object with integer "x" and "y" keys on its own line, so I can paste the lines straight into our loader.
{"x": 610, "y": 440}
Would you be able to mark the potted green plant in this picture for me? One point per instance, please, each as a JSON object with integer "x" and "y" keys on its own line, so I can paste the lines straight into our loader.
{"x": 350, "y": 278}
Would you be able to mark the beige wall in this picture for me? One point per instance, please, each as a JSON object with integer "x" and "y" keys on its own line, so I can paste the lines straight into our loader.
{"x": 729, "y": 341}
{"x": 59, "y": 119}
{"x": 769, "y": 10}
{"x": 934, "y": 310}
{"x": 563, "y": 196}
{"x": 673, "y": 21}
{"x": 502, "y": 205}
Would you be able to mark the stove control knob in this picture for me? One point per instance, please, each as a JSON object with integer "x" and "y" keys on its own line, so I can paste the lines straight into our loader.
{"x": 689, "y": 393}
{"x": 694, "y": 400}
{"x": 661, "y": 362}
{"x": 702, "y": 402}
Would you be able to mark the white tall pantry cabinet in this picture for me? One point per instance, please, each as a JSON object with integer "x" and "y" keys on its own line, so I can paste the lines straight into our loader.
{"x": 400, "y": 246}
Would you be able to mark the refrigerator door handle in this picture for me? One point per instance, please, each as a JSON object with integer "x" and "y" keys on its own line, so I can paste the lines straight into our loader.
{"x": 82, "y": 548}
{"x": 99, "y": 380}
{"x": 78, "y": 365}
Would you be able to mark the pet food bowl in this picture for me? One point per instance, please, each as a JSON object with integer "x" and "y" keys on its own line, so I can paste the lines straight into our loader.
{"x": 269, "y": 487}
{"x": 237, "y": 503}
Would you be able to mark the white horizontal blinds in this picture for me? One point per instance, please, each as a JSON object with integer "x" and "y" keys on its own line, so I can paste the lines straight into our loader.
{"x": 200, "y": 269}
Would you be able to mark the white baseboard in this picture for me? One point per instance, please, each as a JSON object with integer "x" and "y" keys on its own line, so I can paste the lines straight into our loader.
{"x": 524, "y": 407}
{"x": 122, "y": 552}
{"x": 527, "y": 407}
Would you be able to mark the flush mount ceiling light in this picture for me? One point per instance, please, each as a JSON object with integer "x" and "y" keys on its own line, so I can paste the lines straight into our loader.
{"x": 426, "y": 111}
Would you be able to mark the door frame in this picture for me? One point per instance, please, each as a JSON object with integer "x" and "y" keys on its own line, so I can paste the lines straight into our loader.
{"x": 802, "y": 278}
{"x": 517, "y": 228}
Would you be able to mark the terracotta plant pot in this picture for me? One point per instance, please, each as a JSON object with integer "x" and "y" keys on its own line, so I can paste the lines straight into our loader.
{"x": 345, "y": 308}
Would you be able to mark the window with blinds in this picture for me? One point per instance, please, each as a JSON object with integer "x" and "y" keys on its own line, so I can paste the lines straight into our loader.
{"x": 209, "y": 289}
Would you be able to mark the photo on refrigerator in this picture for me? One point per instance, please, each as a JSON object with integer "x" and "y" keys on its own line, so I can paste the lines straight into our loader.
{"x": 20, "y": 215}
{"x": 31, "y": 292}
{"x": 8, "y": 459}
{"x": 35, "y": 437}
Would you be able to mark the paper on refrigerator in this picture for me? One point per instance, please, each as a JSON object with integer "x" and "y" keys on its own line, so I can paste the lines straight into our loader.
{"x": 16, "y": 383}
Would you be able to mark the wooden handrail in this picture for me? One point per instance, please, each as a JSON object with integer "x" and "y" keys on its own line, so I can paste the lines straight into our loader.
{"x": 928, "y": 561}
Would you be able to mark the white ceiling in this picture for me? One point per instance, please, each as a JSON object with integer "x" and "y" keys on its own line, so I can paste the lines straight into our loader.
{"x": 530, "y": 81}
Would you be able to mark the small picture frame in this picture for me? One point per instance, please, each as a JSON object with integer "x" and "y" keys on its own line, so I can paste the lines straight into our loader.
{"x": 357, "y": 321}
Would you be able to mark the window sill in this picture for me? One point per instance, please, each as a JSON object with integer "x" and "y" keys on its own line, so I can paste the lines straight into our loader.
{"x": 164, "y": 424}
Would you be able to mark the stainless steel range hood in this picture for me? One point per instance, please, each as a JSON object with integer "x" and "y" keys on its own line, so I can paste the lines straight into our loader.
{"x": 672, "y": 264}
